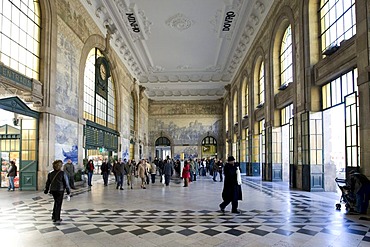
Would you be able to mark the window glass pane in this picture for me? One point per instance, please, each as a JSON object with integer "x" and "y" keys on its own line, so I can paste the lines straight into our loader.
{"x": 90, "y": 106}
{"x": 335, "y": 91}
{"x": 338, "y": 22}
{"x": 313, "y": 157}
{"x": 354, "y": 156}
{"x": 246, "y": 99}
{"x": 319, "y": 157}
{"x": 24, "y": 155}
{"x": 16, "y": 20}
{"x": 261, "y": 84}
{"x": 24, "y": 145}
{"x": 286, "y": 58}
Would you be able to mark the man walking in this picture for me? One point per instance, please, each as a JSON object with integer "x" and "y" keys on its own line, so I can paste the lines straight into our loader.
{"x": 69, "y": 169}
{"x": 232, "y": 191}
{"x": 119, "y": 170}
{"x": 168, "y": 170}
{"x": 128, "y": 170}
{"x": 105, "y": 171}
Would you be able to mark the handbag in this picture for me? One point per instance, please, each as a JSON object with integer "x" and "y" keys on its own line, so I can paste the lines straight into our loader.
{"x": 47, "y": 191}
{"x": 238, "y": 176}
{"x": 163, "y": 182}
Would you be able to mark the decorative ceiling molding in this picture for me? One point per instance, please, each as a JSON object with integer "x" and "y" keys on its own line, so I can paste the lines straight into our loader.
{"x": 179, "y": 22}
{"x": 249, "y": 33}
{"x": 141, "y": 39}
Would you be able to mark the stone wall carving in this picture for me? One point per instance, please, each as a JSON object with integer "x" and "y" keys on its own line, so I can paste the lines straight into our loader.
{"x": 74, "y": 19}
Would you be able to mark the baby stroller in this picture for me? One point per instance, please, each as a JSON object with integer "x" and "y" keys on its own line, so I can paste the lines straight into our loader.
{"x": 348, "y": 197}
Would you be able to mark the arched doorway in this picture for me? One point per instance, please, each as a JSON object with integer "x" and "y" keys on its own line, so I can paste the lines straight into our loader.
{"x": 209, "y": 147}
{"x": 162, "y": 148}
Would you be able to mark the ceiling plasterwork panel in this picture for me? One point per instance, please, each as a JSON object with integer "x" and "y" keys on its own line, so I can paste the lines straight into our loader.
{"x": 179, "y": 22}
{"x": 183, "y": 50}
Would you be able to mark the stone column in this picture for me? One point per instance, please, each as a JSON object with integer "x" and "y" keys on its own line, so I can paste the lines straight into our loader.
{"x": 363, "y": 81}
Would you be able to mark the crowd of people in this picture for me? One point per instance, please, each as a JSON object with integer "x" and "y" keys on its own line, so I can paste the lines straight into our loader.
{"x": 147, "y": 171}
{"x": 61, "y": 179}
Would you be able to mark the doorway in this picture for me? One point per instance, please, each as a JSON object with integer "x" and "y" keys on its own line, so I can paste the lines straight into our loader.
{"x": 209, "y": 147}
{"x": 162, "y": 148}
{"x": 18, "y": 142}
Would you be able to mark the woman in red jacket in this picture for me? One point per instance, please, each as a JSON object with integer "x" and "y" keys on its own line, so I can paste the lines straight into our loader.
{"x": 186, "y": 173}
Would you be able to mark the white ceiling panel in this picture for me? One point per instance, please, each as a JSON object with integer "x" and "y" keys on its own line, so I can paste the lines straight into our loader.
{"x": 181, "y": 49}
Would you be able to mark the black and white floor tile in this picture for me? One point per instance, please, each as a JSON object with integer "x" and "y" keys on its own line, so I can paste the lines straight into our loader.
{"x": 272, "y": 215}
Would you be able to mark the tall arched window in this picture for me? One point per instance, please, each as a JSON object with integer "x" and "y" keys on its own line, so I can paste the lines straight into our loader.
{"x": 286, "y": 58}
{"x": 235, "y": 108}
{"x": 226, "y": 118}
{"x": 246, "y": 99}
{"x": 338, "y": 21}
{"x": 261, "y": 84}
{"x": 132, "y": 127}
{"x": 97, "y": 108}
{"x": 20, "y": 26}
{"x": 132, "y": 115}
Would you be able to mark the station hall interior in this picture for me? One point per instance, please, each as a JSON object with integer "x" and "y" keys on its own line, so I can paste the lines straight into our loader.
{"x": 281, "y": 85}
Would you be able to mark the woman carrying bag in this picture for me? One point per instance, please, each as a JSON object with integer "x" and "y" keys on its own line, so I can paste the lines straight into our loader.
{"x": 56, "y": 184}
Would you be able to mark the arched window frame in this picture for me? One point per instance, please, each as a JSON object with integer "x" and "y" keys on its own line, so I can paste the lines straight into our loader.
{"x": 235, "y": 108}
{"x": 162, "y": 141}
{"x": 227, "y": 118}
{"x": 209, "y": 140}
{"x": 96, "y": 108}
{"x": 246, "y": 98}
{"x": 261, "y": 84}
{"x": 286, "y": 58}
{"x": 132, "y": 115}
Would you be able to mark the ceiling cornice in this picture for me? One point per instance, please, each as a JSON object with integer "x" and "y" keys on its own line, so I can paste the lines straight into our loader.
{"x": 136, "y": 53}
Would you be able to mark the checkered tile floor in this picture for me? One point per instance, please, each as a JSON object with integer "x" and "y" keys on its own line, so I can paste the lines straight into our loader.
{"x": 177, "y": 216}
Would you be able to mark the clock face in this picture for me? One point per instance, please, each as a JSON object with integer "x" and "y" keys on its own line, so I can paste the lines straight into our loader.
{"x": 103, "y": 72}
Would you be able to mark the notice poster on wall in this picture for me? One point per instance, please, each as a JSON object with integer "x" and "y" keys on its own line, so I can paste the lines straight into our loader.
{"x": 4, "y": 169}
{"x": 5, "y": 158}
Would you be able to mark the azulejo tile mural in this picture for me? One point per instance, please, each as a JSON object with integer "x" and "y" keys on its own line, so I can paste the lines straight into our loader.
{"x": 66, "y": 140}
{"x": 67, "y": 75}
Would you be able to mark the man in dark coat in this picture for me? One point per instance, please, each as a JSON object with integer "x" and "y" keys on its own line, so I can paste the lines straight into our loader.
{"x": 69, "y": 170}
{"x": 232, "y": 191}
{"x": 119, "y": 169}
{"x": 168, "y": 170}
{"x": 105, "y": 171}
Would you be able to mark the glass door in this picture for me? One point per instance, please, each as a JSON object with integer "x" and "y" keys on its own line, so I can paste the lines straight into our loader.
{"x": 351, "y": 132}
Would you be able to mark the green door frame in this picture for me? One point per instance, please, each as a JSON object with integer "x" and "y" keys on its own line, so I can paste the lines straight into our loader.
{"x": 28, "y": 169}
{"x": 351, "y": 133}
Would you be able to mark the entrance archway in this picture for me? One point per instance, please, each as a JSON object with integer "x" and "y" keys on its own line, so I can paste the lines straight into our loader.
{"x": 209, "y": 147}
{"x": 162, "y": 148}
{"x": 18, "y": 142}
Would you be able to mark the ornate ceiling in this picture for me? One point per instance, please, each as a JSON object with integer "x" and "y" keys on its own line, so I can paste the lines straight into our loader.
{"x": 181, "y": 49}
